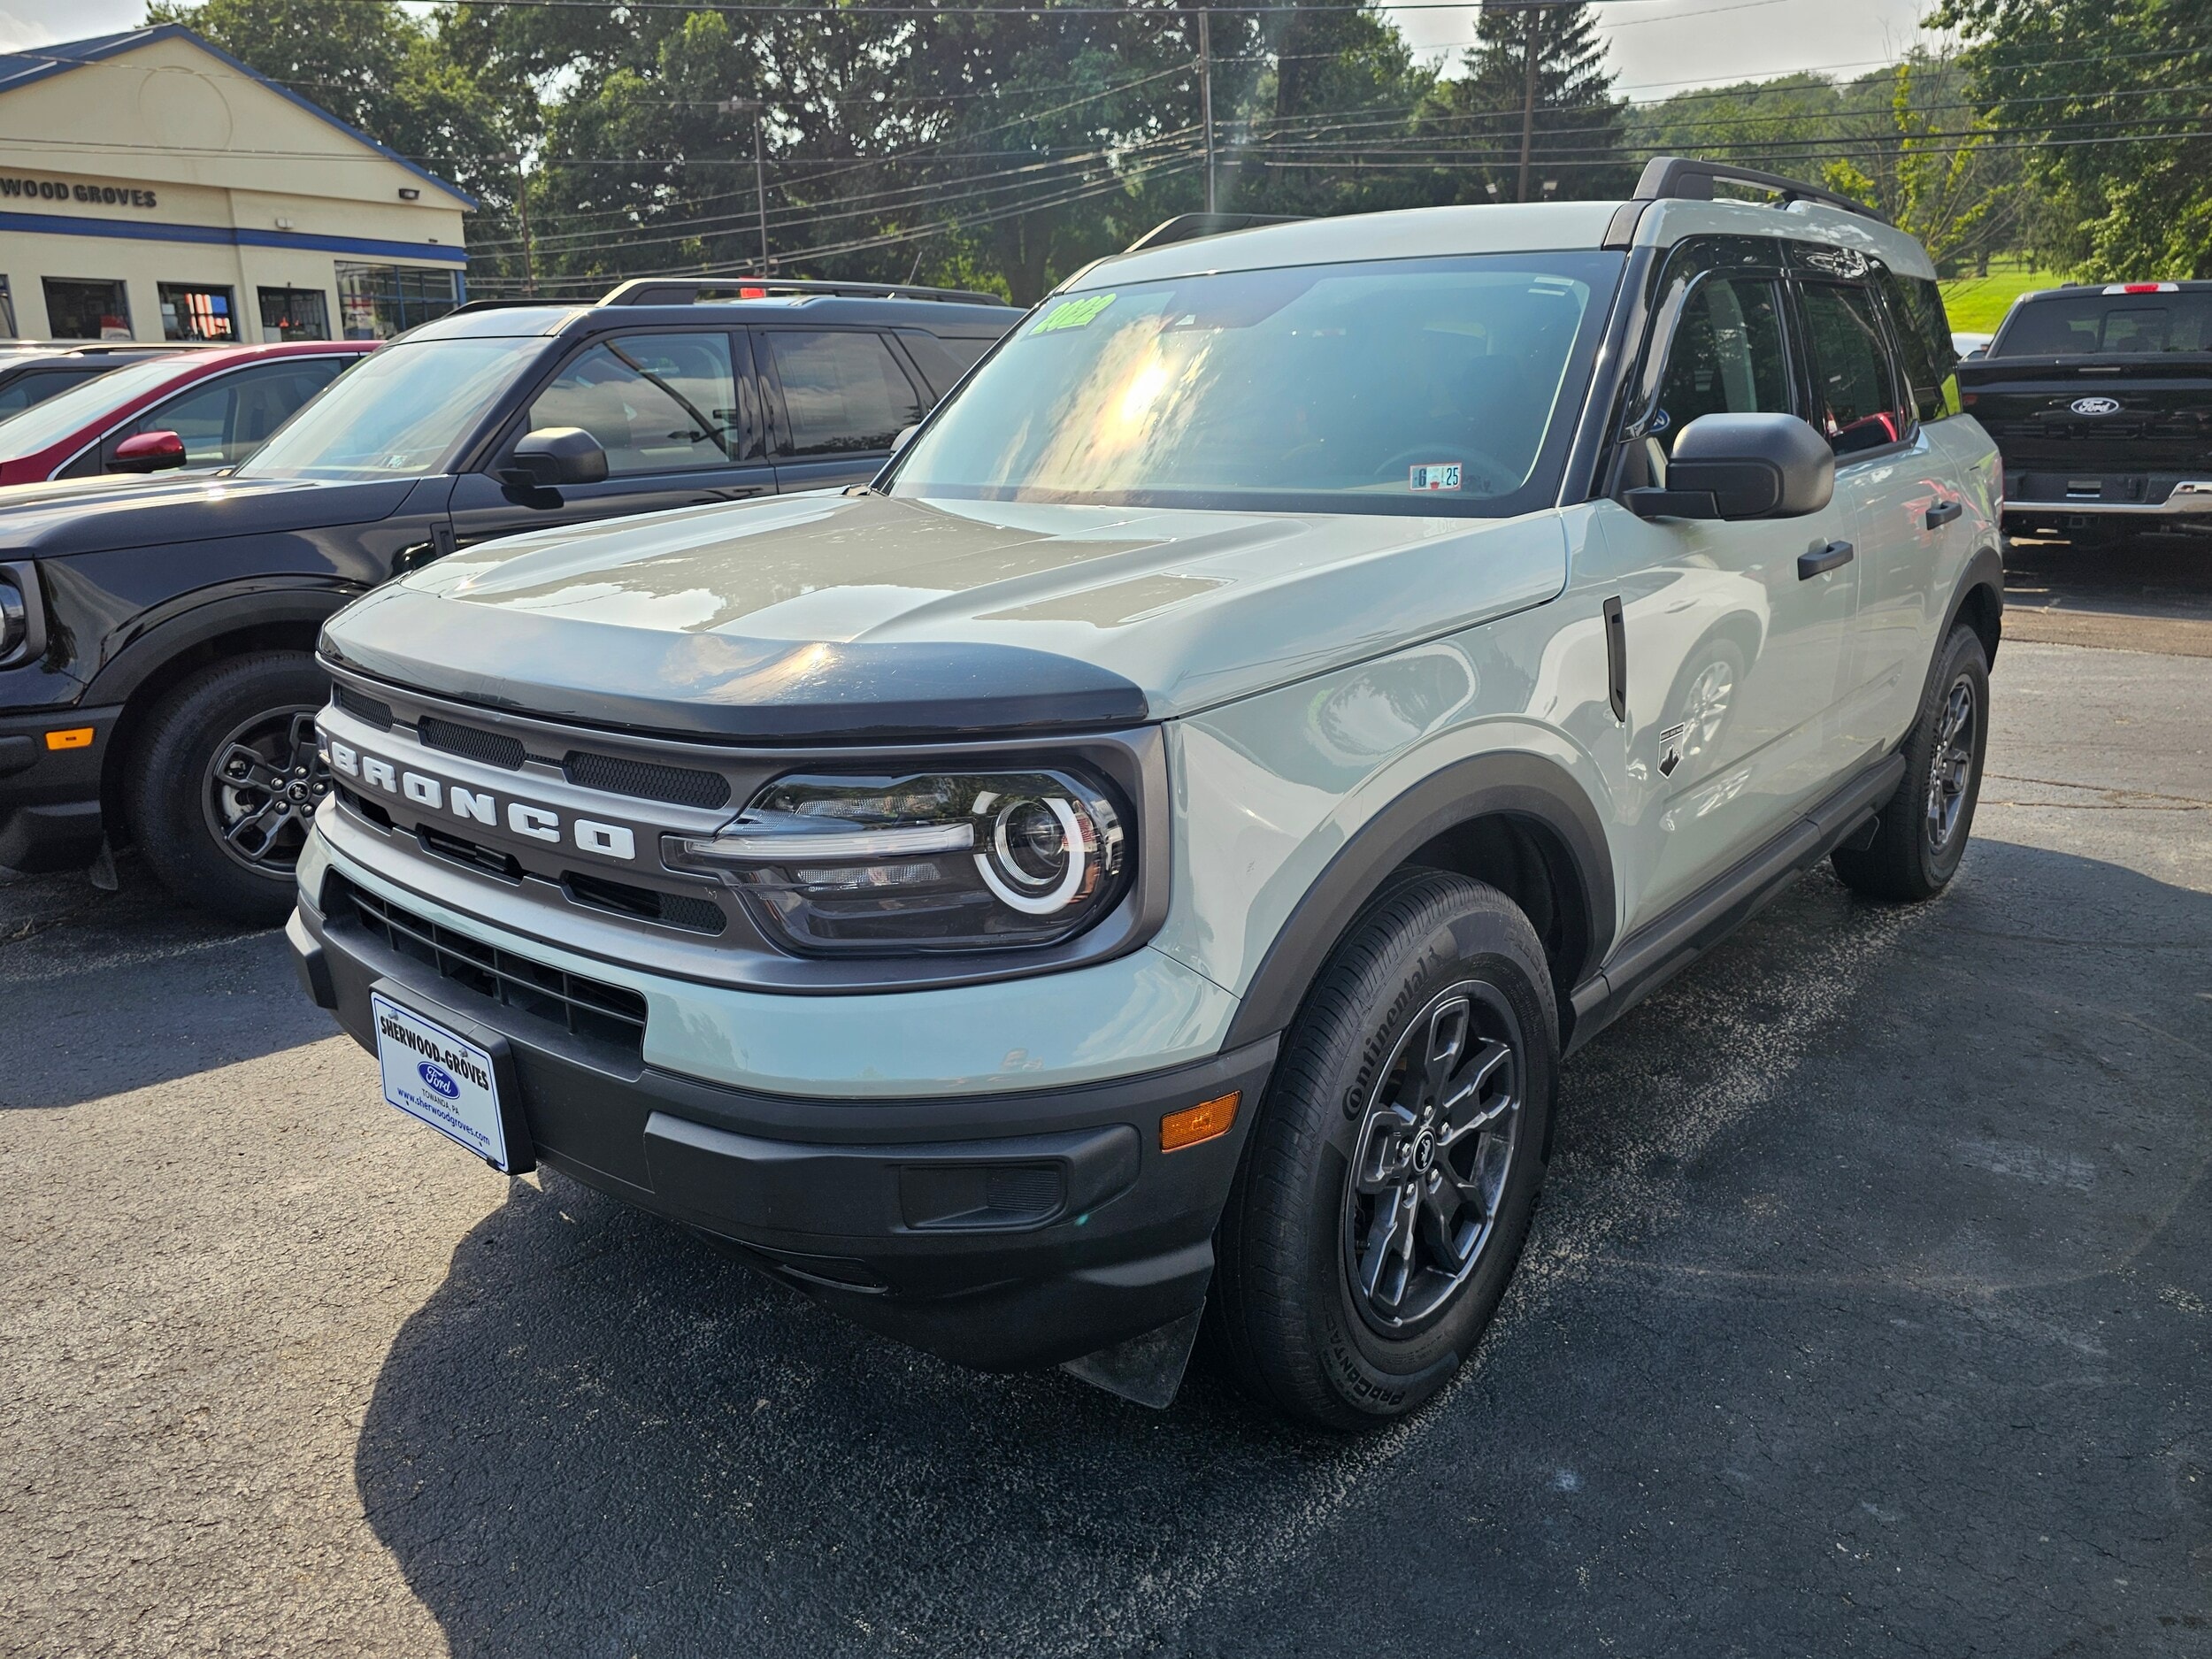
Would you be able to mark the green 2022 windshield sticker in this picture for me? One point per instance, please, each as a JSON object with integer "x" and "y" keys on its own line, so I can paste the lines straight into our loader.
{"x": 1073, "y": 313}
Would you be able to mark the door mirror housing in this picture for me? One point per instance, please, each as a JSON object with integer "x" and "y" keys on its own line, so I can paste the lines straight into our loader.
{"x": 553, "y": 456}
{"x": 1733, "y": 467}
{"x": 148, "y": 452}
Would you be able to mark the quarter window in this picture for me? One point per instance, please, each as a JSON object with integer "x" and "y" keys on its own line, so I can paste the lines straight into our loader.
{"x": 843, "y": 392}
{"x": 1857, "y": 401}
{"x": 1727, "y": 357}
{"x": 655, "y": 403}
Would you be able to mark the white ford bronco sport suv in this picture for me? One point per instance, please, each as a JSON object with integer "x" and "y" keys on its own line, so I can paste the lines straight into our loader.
{"x": 1143, "y": 858}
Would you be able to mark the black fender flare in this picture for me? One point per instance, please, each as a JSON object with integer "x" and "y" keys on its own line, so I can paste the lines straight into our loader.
{"x": 1529, "y": 788}
{"x": 197, "y": 618}
{"x": 1985, "y": 569}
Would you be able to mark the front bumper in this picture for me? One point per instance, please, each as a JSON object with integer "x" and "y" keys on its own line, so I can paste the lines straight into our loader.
{"x": 49, "y": 798}
{"x": 1003, "y": 1230}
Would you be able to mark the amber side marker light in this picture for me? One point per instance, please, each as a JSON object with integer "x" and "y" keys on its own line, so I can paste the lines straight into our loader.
{"x": 1208, "y": 1120}
{"x": 75, "y": 737}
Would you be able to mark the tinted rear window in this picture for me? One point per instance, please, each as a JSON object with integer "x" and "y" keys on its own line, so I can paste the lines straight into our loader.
{"x": 2108, "y": 324}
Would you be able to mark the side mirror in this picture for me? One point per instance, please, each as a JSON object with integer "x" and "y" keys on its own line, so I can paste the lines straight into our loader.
{"x": 1733, "y": 467}
{"x": 905, "y": 437}
{"x": 553, "y": 456}
{"x": 148, "y": 452}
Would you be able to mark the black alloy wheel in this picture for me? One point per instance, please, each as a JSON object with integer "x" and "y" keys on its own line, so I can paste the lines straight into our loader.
{"x": 1924, "y": 827}
{"x": 262, "y": 788}
{"x": 1385, "y": 1189}
{"x": 223, "y": 787}
{"x": 1429, "y": 1168}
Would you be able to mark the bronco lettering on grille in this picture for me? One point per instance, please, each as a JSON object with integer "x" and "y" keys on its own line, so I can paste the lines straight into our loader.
{"x": 523, "y": 818}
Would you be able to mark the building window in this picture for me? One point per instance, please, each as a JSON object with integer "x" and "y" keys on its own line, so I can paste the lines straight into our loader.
{"x": 295, "y": 314}
{"x": 376, "y": 302}
{"x": 196, "y": 313}
{"x": 77, "y": 309}
{"x": 7, "y": 309}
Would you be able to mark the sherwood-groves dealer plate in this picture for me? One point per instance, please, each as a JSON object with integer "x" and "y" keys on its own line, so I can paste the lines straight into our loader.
{"x": 441, "y": 1076}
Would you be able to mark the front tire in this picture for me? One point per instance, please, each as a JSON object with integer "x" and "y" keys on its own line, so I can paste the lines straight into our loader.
{"x": 227, "y": 780}
{"x": 1925, "y": 824}
{"x": 1385, "y": 1196}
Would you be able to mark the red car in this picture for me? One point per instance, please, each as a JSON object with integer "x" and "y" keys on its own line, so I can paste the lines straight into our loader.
{"x": 198, "y": 409}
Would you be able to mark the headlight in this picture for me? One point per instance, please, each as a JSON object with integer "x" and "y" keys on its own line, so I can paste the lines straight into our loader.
{"x": 934, "y": 861}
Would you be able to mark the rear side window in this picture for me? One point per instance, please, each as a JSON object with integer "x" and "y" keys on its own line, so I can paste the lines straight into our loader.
{"x": 843, "y": 392}
{"x": 2097, "y": 325}
{"x": 1924, "y": 336}
{"x": 1857, "y": 401}
{"x": 226, "y": 419}
{"x": 1726, "y": 357}
{"x": 37, "y": 387}
{"x": 655, "y": 403}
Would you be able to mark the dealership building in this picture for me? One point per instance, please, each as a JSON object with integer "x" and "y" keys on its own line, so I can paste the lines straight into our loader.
{"x": 153, "y": 187}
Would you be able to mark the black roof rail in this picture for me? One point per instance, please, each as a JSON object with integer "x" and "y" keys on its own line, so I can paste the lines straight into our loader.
{"x": 691, "y": 290}
{"x": 1191, "y": 226}
{"x": 508, "y": 304}
{"x": 1685, "y": 177}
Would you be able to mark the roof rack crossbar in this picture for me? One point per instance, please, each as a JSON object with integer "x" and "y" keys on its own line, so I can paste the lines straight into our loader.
{"x": 1686, "y": 178}
{"x": 1191, "y": 226}
{"x": 689, "y": 291}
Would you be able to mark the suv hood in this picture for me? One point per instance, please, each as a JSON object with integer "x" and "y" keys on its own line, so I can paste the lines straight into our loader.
{"x": 865, "y": 615}
{"x": 103, "y": 515}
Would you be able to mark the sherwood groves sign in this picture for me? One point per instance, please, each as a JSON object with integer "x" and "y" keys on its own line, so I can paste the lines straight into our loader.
{"x": 75, "y": 190}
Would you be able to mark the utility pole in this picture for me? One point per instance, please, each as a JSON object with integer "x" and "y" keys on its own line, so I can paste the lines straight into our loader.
{"x": 1533, "y": 16}
{"x": 1206, "y": 95}
{"x": 522, "y": 205}
{"x": 758, "y": 110}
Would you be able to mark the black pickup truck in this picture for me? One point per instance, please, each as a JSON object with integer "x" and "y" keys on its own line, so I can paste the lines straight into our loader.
{"x": 158, "y": 679}
{"x": 2101, "y": 401}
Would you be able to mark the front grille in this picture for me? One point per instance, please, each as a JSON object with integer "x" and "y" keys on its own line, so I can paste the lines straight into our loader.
{"x": 493, "y": 748}
{"x": 461, "y": 850}
{"x": 683, "y": 785}
{"x": 587, "y": 1008}
{"x": 369, "y": 809}
{"x": 645, "y": 904}
{"x": 365, "y": 708}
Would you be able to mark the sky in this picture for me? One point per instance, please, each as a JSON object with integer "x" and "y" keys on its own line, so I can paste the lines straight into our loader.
{"x": 1655, "y": 46}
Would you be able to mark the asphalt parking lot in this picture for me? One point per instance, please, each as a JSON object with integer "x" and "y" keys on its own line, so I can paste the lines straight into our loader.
{"x": 1868, "y": 1311}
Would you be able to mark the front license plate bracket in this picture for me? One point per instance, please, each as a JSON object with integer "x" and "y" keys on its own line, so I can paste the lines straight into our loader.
{"x": 512, "y": 1151}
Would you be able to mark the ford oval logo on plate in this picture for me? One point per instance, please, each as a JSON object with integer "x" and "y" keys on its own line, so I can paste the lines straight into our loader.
{"x": 2096, "y": 405}
{"x": 440, "y": 1079}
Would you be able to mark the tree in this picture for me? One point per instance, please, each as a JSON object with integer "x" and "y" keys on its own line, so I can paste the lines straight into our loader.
{"x": 1536, "y": 109}
{"x": 2113, "y": 91}
{"x": 1929, "y": 167}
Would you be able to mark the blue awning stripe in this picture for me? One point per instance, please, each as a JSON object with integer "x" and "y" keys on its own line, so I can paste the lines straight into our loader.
{"x": 142, "y": 230}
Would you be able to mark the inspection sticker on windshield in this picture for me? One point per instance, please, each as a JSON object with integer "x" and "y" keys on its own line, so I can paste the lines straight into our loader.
{"x": 445, "y": 1081}
{"x": 1078, "y": 313}
{"x": 1435, "y": 475}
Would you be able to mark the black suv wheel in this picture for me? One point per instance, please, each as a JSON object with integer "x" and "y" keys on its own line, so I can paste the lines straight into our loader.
{"x": 1386, "y": 1190}
{"x": 1925, "y": 824}
{"x": 227, "y": 782}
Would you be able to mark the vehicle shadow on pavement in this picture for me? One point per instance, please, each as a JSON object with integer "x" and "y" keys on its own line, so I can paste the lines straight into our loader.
{"x": 103, "y": 993}
{"x": 600, "y": 1437}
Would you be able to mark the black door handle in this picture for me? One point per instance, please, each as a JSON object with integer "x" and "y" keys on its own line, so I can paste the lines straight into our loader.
{"x": 1835, "y": 556}
{"x": 1943, "y": 513}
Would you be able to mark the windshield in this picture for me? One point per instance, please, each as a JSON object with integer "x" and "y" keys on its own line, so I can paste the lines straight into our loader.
{"x": 401, "y": 411}
{"x": 66, "y": 413}
{"x": 1407, "y": 386}
{"x": 2098, "y": 325}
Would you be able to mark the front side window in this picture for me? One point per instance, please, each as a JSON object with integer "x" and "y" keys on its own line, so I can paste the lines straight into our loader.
{"x": 843, "y": 392}
{"x": 226, "y": 419}
{"x": 1726, "y": 358}
{"x": 80, "y": 310}
{"x": 1858, "y": 405}
{"x": 403, "y": 411}
{"x": 1431, "y": 386}
{"x": 196, "y": 313}
{"x": 656, "y": 403}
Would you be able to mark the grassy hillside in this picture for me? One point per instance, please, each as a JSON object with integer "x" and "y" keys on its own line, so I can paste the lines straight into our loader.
{"x": 1978, "y": 304}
